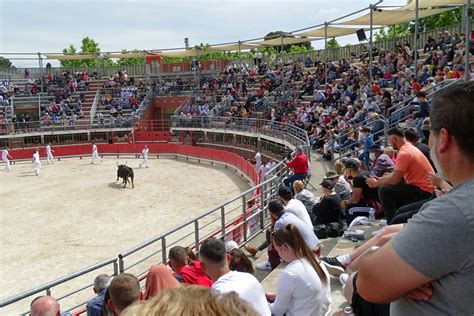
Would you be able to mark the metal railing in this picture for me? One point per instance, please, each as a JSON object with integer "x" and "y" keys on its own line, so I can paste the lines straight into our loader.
{"x": 282, "y": 131}
{"x": 94, "y": 105}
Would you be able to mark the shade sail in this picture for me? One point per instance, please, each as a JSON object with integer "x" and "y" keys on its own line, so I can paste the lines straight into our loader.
{"x": 71, "y": 57}
{"x": 434, "y": 3}
{"x": 331, "y": 32}
{"x": 180, "y": 53}
{"x": 124, "y": 56}
{"x": 283, "y": 41}
{"x": 233, "y": 47}
{"x": 392, "y": 17}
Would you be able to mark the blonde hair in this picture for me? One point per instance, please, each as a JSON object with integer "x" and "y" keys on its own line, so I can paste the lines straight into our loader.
{"x": 389, "y": 151}
{"x": 192, "y": 300}
{"x": 298, "y": 186}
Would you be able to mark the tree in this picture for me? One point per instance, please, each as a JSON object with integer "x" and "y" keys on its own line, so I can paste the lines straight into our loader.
{"x": 88, "y": 47}
{"x": 5, "y": 63}
{"x": 332, "y": 43}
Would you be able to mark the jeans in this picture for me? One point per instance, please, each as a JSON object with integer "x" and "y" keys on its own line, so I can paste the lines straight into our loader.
{"x": 404, "y": 213}
{"x": 295, "y": 176}
{"x": 393, "y": 197}
{"x": 419, "y": 124}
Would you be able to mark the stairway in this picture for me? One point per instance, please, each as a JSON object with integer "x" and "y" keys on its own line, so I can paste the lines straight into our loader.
{"x": 89, "y": 96}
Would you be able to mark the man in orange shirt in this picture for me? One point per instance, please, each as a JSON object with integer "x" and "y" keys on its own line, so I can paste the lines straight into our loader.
{"x": 409, "y": 181}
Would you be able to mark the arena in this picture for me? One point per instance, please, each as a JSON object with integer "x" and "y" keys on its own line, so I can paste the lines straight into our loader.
{"x": 74, "y": 214}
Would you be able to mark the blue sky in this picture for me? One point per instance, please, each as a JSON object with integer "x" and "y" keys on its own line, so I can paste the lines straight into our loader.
{"x": 51, "y": 25}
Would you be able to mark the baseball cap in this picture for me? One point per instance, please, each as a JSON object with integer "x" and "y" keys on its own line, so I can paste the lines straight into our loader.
{"x": 375, "y": 147}
{"x": 352, "y": 164}
{"x": 331, "y": 175}
{"x": 327, "y": 184}
{"x": 230, "y": 245}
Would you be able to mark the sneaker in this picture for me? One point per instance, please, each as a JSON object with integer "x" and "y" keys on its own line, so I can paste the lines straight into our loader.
{"x": 334, "y": 266}
{"x": 251, "y": 250}
{"x": 343, "y": 278}
{"x": 383, "y": 222}
{"x": 265, "y": 265}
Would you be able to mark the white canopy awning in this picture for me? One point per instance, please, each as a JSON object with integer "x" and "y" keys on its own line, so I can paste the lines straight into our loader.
{"x": 283, "y": 41}
{"x": 126, "y": 55}
{"x": 434, "y": 3}
{"x": 71, "y": 57}
{"x": 331, "y": 32}
{"x": 234, "y": 47}
{"x": 180, "y": 53}
{"x": 392, "y": 17}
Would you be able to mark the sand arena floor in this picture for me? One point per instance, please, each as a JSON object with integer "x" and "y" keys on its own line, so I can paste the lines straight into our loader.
{"x": 75, "y": 214}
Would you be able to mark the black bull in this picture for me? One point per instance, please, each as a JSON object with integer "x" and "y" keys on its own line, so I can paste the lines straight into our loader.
{"x": 125, "y": 173}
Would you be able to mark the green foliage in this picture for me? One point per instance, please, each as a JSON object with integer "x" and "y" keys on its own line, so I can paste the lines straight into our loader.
{"x": 88, "y": 46}
{"x": 393, "y": 31}
{"x": 332, "y": 43}
{"x": 5, "y": 63}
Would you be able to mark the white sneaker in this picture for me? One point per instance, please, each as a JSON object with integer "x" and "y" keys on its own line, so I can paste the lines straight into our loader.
{"x": 265, "y": 265}
{"x": 343, "y": 278}
{"x": 383, "y": 222}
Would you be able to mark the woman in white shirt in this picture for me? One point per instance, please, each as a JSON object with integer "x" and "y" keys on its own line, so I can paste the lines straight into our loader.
{"x": 303, "y": 287}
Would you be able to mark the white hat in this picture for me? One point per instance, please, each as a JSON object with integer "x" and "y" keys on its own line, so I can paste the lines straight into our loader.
{"x": 230, "y": 245}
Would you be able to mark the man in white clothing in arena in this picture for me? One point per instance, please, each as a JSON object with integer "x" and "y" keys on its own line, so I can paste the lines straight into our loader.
{"x": 145, "y": 157}
{"x": 36, "y": 162}
{"x": 5, "y": 156}
{"x": 258, "y": 161}
{"x": 49, "y": 154}
{"x": 95, "y": 153}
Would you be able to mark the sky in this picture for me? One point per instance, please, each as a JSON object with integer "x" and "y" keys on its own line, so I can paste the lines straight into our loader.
{"x": 48, "y": 26}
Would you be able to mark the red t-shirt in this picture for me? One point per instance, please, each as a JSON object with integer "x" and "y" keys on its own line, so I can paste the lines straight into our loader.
{"x": 299, "y": 164}
{"x": 193, "y": 274}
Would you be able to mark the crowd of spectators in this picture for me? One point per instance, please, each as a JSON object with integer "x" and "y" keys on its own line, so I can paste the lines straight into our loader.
{"x": 64, "y": 105}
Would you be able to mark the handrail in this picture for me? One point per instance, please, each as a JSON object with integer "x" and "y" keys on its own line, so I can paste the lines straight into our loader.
{"x": 94, "y": 105}
{"x": 49, "y": 285}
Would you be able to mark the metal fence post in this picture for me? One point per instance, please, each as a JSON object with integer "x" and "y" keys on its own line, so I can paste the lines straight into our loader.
{"x": 115, "y": 267}
{"x": 244, "y": 217}
{"x": 196, "y": 235}
{"x": 262, "y": 206}
{"x": 223, "y": 221}
{"x": 121, "y": 265}
{"x": 163, "y": 250}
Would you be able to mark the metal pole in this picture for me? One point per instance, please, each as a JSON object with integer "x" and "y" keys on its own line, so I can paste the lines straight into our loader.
{"x": 40, "y": 61}
{"x": 325, "y": 52}
{"x": 144, "y": 65}
{"x": 467, "y": 25}
{"x": 371, "y": 7}
{"x": 281, "y": 50}
{"x": 415, "y": 48}
{"x": 240, "y": 57}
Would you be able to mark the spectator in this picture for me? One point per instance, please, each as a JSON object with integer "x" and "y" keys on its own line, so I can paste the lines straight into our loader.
{"x": 362, "y": 195}
{"x": 341, "y": 186}
{"x": 282, "y": 218}
{"x": 368, "y": 142}
{"x": 239, "y": 261}
{"x": 328, "y": 210}
{"x": 433, "y": 281}
{"x": 124, "y": 291}
{"x": 299, "y": 165}
{"x": 159, "y": 278}
{"x": 304, "y": 196}
{"x": 381, "y": 163}
{"x": 192, "y": 300}
{"x": 94, "y": 306}
{"x": 294, "y": 206}
{"x": 187, "y": 270}
{"x": 303, "y": 286}
{"x": 46, "y": 306}
{"x": 214, "y": 261}
{"x": 413, "y": 137}
{"x": 412, "y": 167}
{"x": 424, "y": 113}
